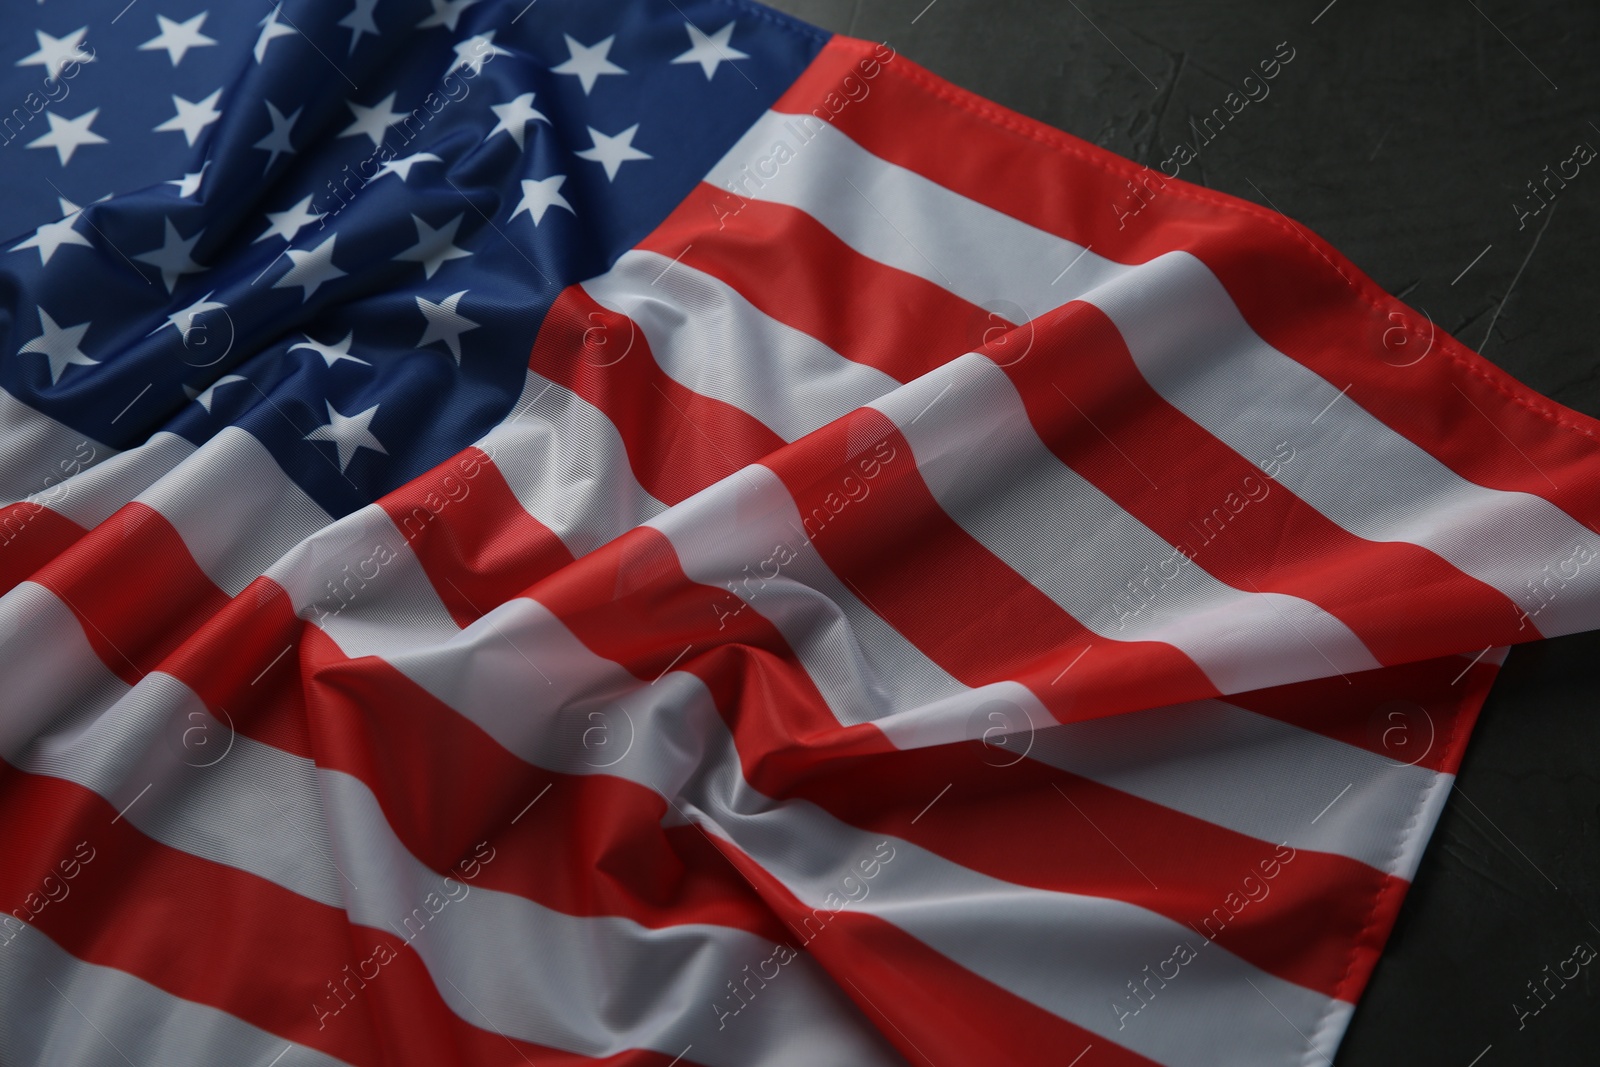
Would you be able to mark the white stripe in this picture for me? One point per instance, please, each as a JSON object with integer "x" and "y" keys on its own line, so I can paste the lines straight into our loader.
{"x": 1193, "y": 757}
{"x": 529, "y": 683}
{"x": 898, "y": 217}
{"x": 359, "y": 581}
{"x": 566, "y": 462}
{"x": 92, "y": 497}
{"x": 1088, "y": 555}
{"x": 130, "y": 1020}
{"x": 1347, "y": 464}
{"x": 1175, "y": 316}
{"x": 235, "y": 508}
{"x": 710, "y": 339}
{"x": 53, "y": 679}
{"x": 39, "y": 453}
{"x": 256, "y": 809}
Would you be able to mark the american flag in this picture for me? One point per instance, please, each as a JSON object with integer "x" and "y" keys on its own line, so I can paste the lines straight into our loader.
{"x": 644, "y": 532}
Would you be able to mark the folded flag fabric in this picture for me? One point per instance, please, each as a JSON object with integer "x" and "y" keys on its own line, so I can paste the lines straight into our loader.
{"x": 644, "y": 532}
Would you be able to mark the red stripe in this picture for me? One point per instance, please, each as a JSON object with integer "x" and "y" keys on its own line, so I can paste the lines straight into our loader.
{"x": 482, "y": 552}
{"x": 796, "y": 271}
{"x": 238, "y": 936}
{"x": 1469, "y": 400}
{"x": 1309, "y": 912}
{"x": 1223, "y": 509}
{"x": 963, "y": 607}
{"x": 31, "y": 535}
{"x": 678, "y": 441}
{"x": 1294, "y": 289}
{"x": 164, "y": 613}
{"x": 246, "y": 664}
{"x": 1404, "y": 713}
{"x": 133, "y": 615}
{"x": 931, "y": 1008}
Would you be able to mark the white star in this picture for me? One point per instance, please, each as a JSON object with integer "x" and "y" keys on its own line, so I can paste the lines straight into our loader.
{"x": 277, "y": 142}
{"x": 184, "y": 320}
{"x": 192, "y": 117}
{"x": 514, "y": 116}
{"x": 178, "y": 37}
{"x": 348, "y": 433}
{"x": 271, "y": 30}
{"x": 710, "y": 51}
{"x": 475, "y": 51}
{"x": 52, "y": 235}
{"x": 312, "y": 267}
{"x": 56, "y": 52}
{"x": 359, "y": 21}
{"x": 445, "y": 13}
{"x": 613, "y": 152}
{"x": 189, "y": 184}
{"x": 403, "y": 167}
{"x": 445, "y": 323}
{"x": 60, "y": 346}
{"x": 434, "y": 247}
{"x": 331, "y": 354}
{"x": 66, "y": 136}
{"x": 542, "y": 195}
{"x": 588, "y": 62}
{"x": 373, "y": 121}
{"x": 172, "y": 258}
{"x": 204, "y": 399}
{"x": 288, "y": 224}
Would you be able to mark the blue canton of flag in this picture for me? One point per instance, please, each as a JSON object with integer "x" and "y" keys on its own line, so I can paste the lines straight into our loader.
{"x": 339, "y": 226}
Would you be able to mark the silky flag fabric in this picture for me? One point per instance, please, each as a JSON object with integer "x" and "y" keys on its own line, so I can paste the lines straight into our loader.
{"x": 642, "y": 532}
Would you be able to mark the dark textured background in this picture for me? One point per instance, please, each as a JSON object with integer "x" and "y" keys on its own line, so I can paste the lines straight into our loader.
{"x": 1403, "y": 134}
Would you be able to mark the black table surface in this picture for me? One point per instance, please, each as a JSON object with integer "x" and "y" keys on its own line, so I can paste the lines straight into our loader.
{"x": 1405, "y": 134}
